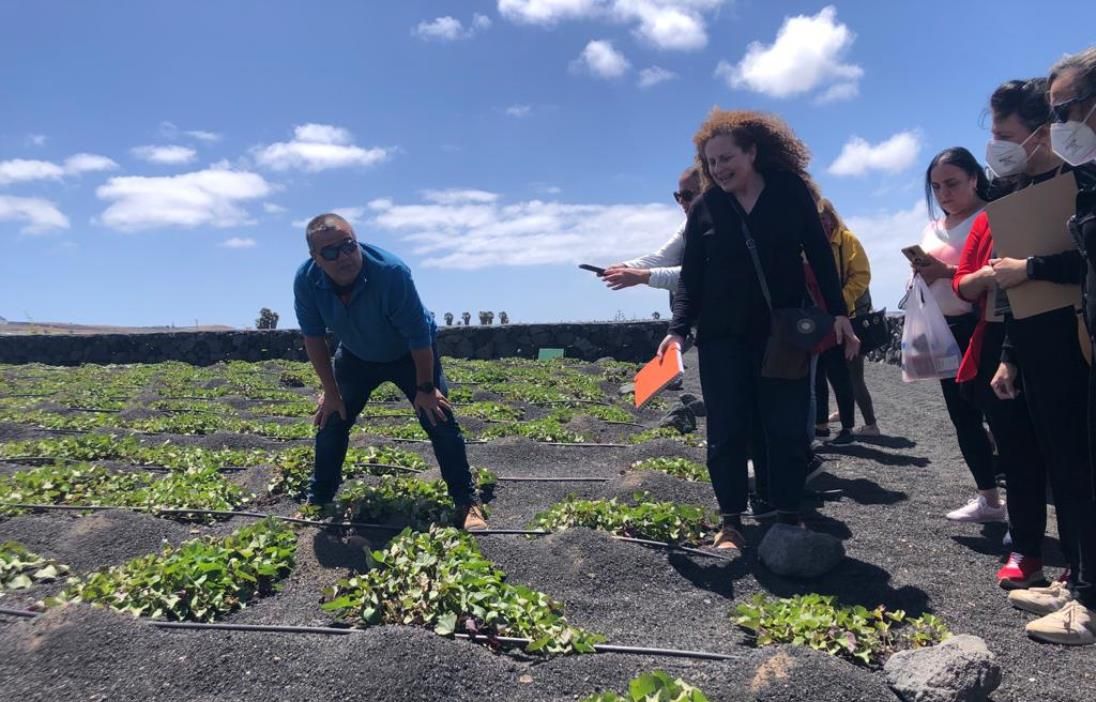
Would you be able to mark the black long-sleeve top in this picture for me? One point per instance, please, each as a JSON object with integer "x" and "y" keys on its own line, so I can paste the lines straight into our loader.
{"x": 1066, "y": 268}
{"x": 718, "y": 290}
{"x": 1083, "y": 227}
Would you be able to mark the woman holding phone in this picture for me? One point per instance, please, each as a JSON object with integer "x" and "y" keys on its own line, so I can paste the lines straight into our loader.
{"x": 956, "y": 182}
{"x": 757, "y": 200}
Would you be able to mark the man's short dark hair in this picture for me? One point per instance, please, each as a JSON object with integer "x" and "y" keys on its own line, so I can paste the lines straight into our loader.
{"x": 690, "y": 173}
{"x": 328, "y": 220}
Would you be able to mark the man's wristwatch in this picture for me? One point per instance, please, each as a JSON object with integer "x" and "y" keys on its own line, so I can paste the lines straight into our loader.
{"x": 427, "y": 387}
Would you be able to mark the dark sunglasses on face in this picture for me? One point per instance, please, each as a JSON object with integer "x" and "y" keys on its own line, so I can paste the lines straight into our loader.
{"x": 1062, "y": 109}
{"x": 333, "y": 251}
{"x": 684, "y": 197}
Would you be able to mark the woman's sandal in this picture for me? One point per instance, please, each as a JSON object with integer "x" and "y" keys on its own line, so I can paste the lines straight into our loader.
{"x": 729, "y": 538}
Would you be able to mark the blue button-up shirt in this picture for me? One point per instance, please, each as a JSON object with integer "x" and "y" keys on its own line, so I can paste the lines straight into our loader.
{"x": 384, "y": 318}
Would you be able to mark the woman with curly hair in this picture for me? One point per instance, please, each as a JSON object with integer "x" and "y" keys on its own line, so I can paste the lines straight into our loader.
{"x": 754, "y": 173}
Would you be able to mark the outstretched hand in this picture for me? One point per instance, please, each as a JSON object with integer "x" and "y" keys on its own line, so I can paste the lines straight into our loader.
{"x": 618, "y": 277}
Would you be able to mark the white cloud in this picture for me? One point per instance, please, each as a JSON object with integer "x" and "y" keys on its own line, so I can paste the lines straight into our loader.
{"x": 24, "y": 170}
{"x": 883, "y": 235}
{"x": 838, "y": 92}
{"x": 350, "y": 214}
{"x": 88, "y": 163}
{"x": 202, "y": 135}
{"x": 807, "y": 54}
{"x": 471, "y": 234}
{"x": 238, "y": 243}
{"x": 37, "y": 139}
{"x": 519, "y": 111}
{"x": 455, "y": 196}
{"x": 600, "y": 59}
{"x": 318, "y": 147}
{"x": 894, "y": 155}
{"x": 21, "y": 170}
{"x": 678, "y": 25}
{"x": 450, "y": 28}
{"x": 211, "y": 197}
{"x": 169, "y": 155}
{"x": 650, "y": 77}
{"x": 37, "y": 214}
{"x": 272, "y": 208}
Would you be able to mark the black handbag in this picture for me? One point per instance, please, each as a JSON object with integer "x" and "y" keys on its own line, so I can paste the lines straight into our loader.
{"x": 872, "y": 330}
{"x": 795, "y": 332}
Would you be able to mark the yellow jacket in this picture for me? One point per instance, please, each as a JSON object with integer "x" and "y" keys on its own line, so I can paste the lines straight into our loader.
{"x": 852, "y": 267}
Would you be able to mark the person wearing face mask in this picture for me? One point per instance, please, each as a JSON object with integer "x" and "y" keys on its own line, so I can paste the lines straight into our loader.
{"x": 758, "y": 211}
{"x": 661, "y": 268}
{"x": 1041, "y": 351}
{"x": 1069, "y": 609}
{"x": 959, "y": 185}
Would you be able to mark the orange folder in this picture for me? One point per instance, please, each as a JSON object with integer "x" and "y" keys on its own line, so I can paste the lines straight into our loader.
{"x": 657, "y": 374}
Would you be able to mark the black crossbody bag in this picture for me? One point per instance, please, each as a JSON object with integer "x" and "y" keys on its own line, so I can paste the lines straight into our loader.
{"x": 794, "y": 331}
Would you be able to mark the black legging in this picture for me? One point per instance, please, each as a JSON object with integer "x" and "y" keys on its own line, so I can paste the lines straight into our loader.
{"x": 967, "y": 417}
{"x": 860, "y": 390}
{"x": 834, "y": 370}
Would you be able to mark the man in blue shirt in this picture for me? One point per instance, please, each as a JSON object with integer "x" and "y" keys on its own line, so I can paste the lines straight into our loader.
{"x": 366, "y": 297}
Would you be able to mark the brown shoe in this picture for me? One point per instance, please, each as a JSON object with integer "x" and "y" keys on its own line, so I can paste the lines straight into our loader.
{"x": 729, "y": 538}
{"x": 474, "y": 519}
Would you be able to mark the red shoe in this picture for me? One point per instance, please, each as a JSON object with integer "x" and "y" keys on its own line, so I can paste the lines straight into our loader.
{"x": 1021, "y": 572}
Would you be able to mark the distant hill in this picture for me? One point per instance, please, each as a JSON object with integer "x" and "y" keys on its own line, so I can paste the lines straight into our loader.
{"x": 18, "y": 328}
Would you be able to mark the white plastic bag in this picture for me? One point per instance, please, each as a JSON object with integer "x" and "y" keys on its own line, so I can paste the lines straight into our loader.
{"x": 929, "y": 350}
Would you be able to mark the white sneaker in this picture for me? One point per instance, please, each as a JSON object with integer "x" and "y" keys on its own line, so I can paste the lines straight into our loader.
{"x": 978, "y": 511}
{"x": 834, "y": 417}
{"x": 867, "y": 430}
{"x": 1041, "y": 600}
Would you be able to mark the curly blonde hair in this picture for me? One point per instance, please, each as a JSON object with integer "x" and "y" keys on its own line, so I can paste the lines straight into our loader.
{"x": 778, "y": 148}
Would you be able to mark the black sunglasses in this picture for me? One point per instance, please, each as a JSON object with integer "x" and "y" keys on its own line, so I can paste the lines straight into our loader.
{"x": 333, "y": 251}
{"x": 684, "y": 197}
{"x": 1061, "y": 110}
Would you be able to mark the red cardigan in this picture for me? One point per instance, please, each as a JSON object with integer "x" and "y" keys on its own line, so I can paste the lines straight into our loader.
{"x": 976, "y": 254}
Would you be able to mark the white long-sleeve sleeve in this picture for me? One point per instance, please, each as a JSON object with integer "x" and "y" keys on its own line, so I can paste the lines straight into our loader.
{"x": 664, "y": 264}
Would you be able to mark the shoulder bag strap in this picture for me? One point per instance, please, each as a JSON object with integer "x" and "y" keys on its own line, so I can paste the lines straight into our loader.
{"x": 751, "y": 246}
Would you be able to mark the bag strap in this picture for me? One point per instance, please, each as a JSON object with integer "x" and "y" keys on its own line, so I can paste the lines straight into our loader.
{"x": 751, "y": 246}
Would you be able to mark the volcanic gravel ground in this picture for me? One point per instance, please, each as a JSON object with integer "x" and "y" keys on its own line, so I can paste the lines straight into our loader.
{"x": 902, "y": 553}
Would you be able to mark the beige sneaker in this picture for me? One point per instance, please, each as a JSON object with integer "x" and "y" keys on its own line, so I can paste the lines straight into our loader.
{"x": 867, "y": 430}
{"x": 1041, "y": 600}
{"x": 1072, "y": 625}
{"x": 474, "y": 519}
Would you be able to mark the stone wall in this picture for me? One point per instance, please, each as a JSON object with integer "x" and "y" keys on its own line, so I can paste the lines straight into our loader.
{"x": 625, "y": 341}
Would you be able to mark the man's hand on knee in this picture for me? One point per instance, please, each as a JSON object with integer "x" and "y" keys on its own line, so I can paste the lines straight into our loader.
{"x": 432, "y": 405}
{"x": 327, "y": 406}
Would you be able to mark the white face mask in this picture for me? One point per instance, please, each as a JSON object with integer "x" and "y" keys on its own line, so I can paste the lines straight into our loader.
{"x": 1007, "y": 158}
{"x": 1074, "y": 142}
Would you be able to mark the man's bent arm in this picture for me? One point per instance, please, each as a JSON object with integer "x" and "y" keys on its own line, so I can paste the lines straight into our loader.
{"x": 320, "y": 356}
{"x": 424, "y": 365}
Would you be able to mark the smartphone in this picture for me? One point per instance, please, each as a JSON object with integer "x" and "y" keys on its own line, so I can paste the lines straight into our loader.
{"x": 592, "y": 269}
{"x": 915, "y": 254}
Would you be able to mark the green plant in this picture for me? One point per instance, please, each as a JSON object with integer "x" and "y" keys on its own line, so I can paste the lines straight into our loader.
{"x": 21, "y": 569}
{"x": 545, "y": 430}
{"x": 677, "y": 467}
{"x": 417, "y": 503}
{"x": 199, "y": 580}
{"x": 646, "y": 519}
{"x": 293, "y": 468}
{"x": 86, "y": 484}
{"x": 608, "y": 413}
{"x": 439, "y": 579}
{"x": 494, "y": 411}
{"x": 856, "y": 633}
{"x": 653, "y": 687}
{"x": 693, "y": 439}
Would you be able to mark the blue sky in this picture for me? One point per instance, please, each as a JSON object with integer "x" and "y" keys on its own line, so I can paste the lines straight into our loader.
{"x": 158, "y": 159}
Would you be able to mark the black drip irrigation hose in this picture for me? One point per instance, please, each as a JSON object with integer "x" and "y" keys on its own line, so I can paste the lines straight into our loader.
{"x": 503, "y": 641}
{"x": 351, "y": 525}
{"x": 535, "y": 479}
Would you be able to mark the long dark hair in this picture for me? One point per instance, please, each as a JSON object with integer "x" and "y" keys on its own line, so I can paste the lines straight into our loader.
{"x": 963, "y": 160}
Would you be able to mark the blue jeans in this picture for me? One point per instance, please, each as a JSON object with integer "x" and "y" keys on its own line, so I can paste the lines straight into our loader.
{"x": 745, "y": 408}
{"x": 356, "y": 380}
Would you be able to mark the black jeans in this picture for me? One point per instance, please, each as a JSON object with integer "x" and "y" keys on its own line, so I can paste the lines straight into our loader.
{"x": 745, "y": 408}
{"x": 1055, "y": 378}
{"x": 357, "y": 379}
{"x": 967, "y": 417}
{"x": 833, "y": 370}
{"x": 860, "y": 390}
{"x": 1017, "y": 448}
